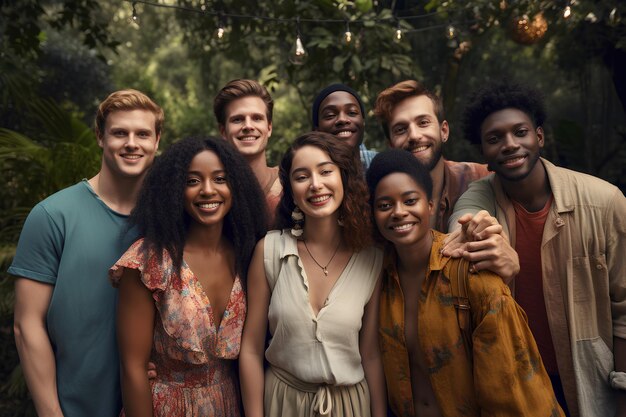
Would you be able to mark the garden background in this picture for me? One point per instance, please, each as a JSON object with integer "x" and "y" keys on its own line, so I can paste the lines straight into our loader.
{"x": 60, "y": 58}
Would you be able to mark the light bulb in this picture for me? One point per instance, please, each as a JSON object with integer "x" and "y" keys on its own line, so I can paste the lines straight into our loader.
{"x": 220, "y": 32}
{"x": 398, "y": 34}
{"x": 567, "y": 12}
{"x": 450, "y": 32}
{"x": 299, "y": 47}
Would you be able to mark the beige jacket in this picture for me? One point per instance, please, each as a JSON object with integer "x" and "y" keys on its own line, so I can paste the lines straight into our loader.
{"x": 583, "y": 254}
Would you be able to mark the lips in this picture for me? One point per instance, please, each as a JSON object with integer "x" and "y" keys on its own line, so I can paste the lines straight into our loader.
{"x": 131, "y": 156}
{"x": 514, "y": 162}
{"x": 344, "y": 133}
{"x": 418, "y": 149}
{"x": 248, "y": 138}
{"x": 319, "y": 200}
{"x": 209, "y": 206}
{"x": 401, "y": 228}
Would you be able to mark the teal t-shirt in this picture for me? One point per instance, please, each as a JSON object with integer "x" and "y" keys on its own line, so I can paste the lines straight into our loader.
{"x": 70, "y": 240}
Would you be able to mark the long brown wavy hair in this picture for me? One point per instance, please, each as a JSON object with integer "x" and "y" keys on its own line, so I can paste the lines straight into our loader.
{"x": 354, "y": 209}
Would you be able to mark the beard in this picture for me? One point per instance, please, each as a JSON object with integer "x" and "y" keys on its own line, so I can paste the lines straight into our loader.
{"x": 430, "y": 162}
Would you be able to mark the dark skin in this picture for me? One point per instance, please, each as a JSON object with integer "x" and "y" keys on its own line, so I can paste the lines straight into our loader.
{"x": 400, "y": 202}
{"x": 510, "y": 144}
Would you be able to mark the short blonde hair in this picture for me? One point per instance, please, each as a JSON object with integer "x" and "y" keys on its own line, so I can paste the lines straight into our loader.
{"x": 127, "y": 100}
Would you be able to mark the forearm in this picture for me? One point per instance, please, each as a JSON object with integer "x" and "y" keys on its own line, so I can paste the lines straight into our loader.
{"x": 252, "y": 383}
{"x": 619, "y": 349}
{"x": 39, "y": 368}
{"x": 375, "y": 377}
{"x": 136, "y": 391}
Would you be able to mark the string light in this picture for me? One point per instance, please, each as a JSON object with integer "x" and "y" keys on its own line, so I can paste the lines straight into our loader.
{"x": 134, "y": 16}
{"x": 220, "y": 26}
{"x": 568, "y": 11}
{"x": 299, "y": 53}
{"x": 450, "y": 31}
{"x": 614, "y": 17}
{"x": 348, "y": 34}
{"x": 398, "y": 32}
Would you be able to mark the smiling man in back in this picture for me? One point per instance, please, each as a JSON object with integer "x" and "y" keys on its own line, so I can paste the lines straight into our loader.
{"x": 64, "y": 305}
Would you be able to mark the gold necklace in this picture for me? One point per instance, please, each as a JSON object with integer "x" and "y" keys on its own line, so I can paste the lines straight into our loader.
{"x": 324, "y": 268}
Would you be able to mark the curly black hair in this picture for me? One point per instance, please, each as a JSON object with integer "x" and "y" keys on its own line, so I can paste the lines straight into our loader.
{"x": 498, "y": 96}
{"x": 162, "y": 220}
{"x": 354, "y": 210}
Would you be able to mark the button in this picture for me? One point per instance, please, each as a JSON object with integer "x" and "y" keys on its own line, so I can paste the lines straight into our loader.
{"x": 599, "y": 266}
{"x": 559, "y": 222}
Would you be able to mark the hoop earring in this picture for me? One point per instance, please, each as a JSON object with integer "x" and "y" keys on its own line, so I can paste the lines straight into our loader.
{"x": 298, "y": 219}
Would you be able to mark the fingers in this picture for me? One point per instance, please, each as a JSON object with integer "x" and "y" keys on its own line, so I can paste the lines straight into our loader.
{"x": 454, "y": 244}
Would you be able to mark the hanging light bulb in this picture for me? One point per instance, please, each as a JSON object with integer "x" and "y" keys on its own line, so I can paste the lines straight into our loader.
{"x": 348, "y": 34}
{"x": 298, "y": 53}
{"x": 220, "y": 26}
{"x": 450, "y": 31}
{"x": 398, "y": 32}
{"x": 134, "y": 17}
{"x": 614, "y": 17}
{"x": 567, "y": 12}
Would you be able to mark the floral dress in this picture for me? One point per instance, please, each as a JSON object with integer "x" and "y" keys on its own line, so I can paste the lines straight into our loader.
{"x": 195, "y": 362}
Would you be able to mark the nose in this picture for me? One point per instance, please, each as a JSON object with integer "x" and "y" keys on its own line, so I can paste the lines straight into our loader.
{"x": 247, "y": 123}
{"x": 342, "y": 118}
{"x": 510, "y": 143}
{"x": 398, "y": 210}
{"x": 415, "y": 134}
{"x": 315, "y": 184}
{"x": 207, "y": 188}
{"x": 131, "y": 142}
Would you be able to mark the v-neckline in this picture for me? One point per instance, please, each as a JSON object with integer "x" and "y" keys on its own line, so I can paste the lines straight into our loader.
{"x": 199, "y": 289}
{"x": 340, "y": 278}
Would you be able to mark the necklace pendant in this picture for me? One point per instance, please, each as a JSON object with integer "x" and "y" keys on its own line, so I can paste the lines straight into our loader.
{"x": 325, "y": 271}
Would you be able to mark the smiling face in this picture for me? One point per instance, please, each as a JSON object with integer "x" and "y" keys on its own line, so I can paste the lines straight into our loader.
{"x": 401, "y": 210}
{"x": 246, "y": 125}
{"x": 315, "y": 182}
{"x": 511, "y": 143}
{"x": 340, "y": 115}
{"x": 207, "y": 195}
{"x": 413, "y": 126}
{"x": 129, "y": 143}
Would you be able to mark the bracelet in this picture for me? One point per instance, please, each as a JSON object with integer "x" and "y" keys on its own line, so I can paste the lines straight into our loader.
{"x": 617, "y": 380}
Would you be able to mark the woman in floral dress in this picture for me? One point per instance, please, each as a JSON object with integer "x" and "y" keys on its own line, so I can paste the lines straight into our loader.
{"x": 181, "y": 292}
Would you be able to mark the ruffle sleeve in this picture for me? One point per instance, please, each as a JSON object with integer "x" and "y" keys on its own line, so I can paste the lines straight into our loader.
{"x": 153, "y": 273}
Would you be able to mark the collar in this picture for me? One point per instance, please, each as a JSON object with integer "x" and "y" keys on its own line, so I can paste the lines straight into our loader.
{"x": 289, "y": 244}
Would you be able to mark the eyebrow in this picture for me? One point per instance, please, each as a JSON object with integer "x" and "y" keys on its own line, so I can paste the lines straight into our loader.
{"x": 498, "y": 129}
{"x": 404, "y": 194}
{"x": 217, "y": 171}
{"x": 317, "y": 166}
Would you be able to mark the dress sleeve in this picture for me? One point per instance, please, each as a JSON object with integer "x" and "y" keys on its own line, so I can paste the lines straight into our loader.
{"x": 143, "y": 259}
{"x": 39, "y": 248}
{"x": 509, "y": 376}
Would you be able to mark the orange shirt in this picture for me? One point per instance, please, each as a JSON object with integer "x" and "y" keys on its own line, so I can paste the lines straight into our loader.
{"x": 504, "y": 376}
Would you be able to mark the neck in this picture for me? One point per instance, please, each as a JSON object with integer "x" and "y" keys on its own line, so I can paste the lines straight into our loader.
{"x": 262, "y": 172}
{"x": 415, "y": 257}
{"x": 323, "y": 231}
{"x": 119, "y": 193}
{"x": 436, "y": 174}
{"x": 205, "y": 238}
{"x": 533, "y": 191}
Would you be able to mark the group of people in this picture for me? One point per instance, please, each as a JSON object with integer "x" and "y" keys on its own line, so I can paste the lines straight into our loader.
{"x": 207, "y": 283}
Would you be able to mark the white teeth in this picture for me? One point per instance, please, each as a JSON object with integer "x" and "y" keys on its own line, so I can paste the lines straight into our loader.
{"x": 131, "y": 156}
{"x": 208, "y": 205}
{"x": 403, "y": 227}
{"x": 344, "y": 133}
{"x": 420, "y": 149}
{"x": 247, "y": 138}
{"x": 319, "y": 199}
{"x": 514, "y": 160}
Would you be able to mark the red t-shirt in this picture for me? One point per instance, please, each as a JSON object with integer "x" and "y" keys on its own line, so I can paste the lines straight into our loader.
{"x": 529, "y": 281}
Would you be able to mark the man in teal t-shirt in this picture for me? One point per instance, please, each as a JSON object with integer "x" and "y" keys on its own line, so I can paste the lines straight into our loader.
{"x": 64, "y": 305}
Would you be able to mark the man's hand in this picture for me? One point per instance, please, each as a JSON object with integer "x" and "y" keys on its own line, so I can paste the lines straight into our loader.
{"x": 482, "y": 242}
{"x": 152, "y": 373}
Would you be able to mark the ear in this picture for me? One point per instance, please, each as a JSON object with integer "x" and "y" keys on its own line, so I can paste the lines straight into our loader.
{"x": 158, "y": 140}
{"x": 222, "y": 130}
{"x": 445, "y": 131}
{"x": 269, "y": 129}
{"x": 431, "y": 207}
{"x": 540, "y": 136}
{"x": 100, "y": 140}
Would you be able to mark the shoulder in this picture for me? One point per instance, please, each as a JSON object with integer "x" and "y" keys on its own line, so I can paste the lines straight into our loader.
{"x": 471, "y": 170}
{"x": 576, "y": 186}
